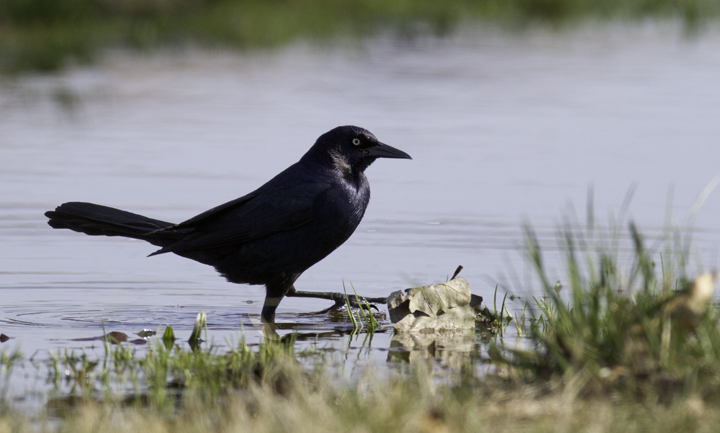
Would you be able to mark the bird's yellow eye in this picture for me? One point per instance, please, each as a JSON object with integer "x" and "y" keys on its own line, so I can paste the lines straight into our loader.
{"x": 356, "y": 141}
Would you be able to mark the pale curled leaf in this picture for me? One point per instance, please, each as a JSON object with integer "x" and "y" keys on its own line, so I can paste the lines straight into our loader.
{"x": 432, "y": 308}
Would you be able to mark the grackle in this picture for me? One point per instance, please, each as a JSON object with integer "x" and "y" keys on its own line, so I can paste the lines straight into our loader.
{"x": 270, "y": 236}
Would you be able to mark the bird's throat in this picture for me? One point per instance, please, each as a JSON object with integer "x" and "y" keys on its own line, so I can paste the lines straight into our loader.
{"x": 342, "y": 166}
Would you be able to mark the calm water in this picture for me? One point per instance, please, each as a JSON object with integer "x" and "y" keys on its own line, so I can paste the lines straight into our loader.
{"x": 502, "y": 128}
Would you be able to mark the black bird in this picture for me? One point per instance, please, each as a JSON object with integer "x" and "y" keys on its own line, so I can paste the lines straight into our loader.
{"x": 270, "y": 236}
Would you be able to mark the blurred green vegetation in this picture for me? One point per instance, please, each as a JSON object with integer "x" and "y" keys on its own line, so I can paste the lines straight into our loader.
{"x": 45, "y": 35}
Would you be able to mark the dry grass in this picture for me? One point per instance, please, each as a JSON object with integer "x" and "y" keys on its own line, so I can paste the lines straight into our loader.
{"x": 411, "y": 404}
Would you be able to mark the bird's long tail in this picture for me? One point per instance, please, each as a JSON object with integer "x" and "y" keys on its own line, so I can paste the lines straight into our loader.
{"x": 97, "y": 220}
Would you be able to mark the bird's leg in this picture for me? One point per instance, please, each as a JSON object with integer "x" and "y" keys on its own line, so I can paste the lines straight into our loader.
{"x": 274, "y": 294}
{"x": 339, "y": 298}
{"x": 269, "y": 307}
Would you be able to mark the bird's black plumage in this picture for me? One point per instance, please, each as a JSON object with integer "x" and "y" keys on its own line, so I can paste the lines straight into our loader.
{"x": 270, "y": 236}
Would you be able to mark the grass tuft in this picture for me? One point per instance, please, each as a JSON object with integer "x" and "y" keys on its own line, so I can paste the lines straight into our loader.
{"x": 641, "y": 331}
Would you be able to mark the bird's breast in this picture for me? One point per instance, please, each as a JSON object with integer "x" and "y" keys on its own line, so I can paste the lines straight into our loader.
{"x": 347, "y": 201}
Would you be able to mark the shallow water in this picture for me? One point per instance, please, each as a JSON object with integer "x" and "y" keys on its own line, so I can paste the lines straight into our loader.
{"x": 502, "y": 127}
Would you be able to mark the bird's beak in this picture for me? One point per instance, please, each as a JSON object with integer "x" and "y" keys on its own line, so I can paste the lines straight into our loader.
{"x": 385, "y": 151}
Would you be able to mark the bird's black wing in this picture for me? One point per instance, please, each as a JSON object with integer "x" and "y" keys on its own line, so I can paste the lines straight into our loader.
{"x": 216, "y": 212}
{"x": 269, "y": 210}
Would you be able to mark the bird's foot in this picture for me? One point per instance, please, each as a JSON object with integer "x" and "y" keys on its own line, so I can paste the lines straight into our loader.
{"x": 340, "y": 299}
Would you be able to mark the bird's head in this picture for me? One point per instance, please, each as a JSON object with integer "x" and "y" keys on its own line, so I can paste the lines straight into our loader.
{"x": 351, "y": 148}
